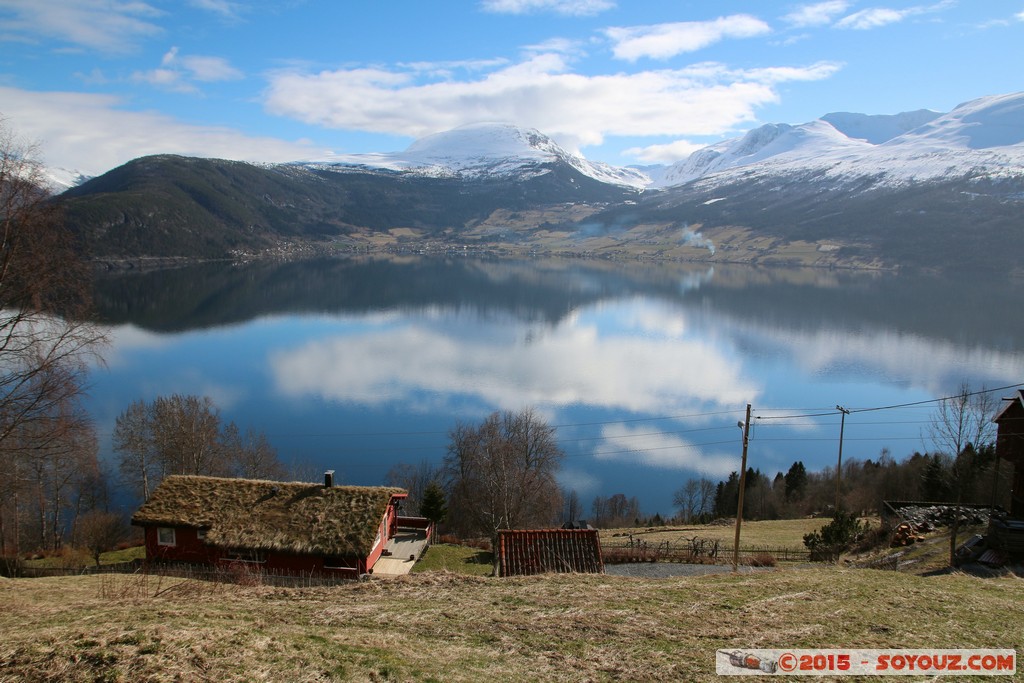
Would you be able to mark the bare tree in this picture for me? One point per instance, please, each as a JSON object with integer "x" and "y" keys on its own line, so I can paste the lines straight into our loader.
{"x": 46, "y": 344}
{"x": 573, "y": 507}
{"x": 687, "y": 499}
{"x": 46, "y": 464}
{"x": 415, "y": 479}
{"x": 251, "y": 456}
{"x": 101, "y": 531}
{"x": 501, "y": 473}
{"x": 961, "y": 424}
{"x": 616, "y": 511}
{"x": 133, "y": 442}
{"x": 184, "y": 435}
{"x": 705, "y": 497}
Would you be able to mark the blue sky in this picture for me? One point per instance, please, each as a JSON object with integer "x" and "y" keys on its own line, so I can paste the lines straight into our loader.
{"x": 99, "y": 82}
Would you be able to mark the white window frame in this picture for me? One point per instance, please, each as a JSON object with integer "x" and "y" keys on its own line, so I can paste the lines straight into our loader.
{"x": 161, "y": 536}
{"x": 246, "y": 556}
{"x": 340, "y": 562}
{"x": 201, "y": 534}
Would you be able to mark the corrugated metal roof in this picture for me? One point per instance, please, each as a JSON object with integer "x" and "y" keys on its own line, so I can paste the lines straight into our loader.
{"x": 536, "y": 551}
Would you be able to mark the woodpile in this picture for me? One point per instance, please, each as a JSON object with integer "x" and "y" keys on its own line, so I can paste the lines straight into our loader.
{"x": 907, "y": 534}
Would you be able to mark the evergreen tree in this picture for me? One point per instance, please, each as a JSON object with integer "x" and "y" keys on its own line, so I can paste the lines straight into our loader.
{"x": 796, "y": 481}
{"x": 935, "y": 480}
{"x": 434, "y": 505}
{"x": 727, "y": 495}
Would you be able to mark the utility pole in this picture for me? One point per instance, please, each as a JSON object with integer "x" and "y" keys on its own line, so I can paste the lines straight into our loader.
{"x": 839, "y": 464}
{"x": 743, "y": 484}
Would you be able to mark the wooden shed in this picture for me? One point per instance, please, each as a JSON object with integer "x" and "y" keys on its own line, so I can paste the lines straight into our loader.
{"x": 524, "y": 552}
{"x": 275, "y": 526}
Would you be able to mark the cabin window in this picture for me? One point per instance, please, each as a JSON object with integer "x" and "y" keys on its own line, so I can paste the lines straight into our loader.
{"x": 255, "y": 556}
{"x": 165, "y": 536}
{"x": 201, "y": 534}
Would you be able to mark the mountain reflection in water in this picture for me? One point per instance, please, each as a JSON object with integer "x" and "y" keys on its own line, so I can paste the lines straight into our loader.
{"x": 356, "y": 364}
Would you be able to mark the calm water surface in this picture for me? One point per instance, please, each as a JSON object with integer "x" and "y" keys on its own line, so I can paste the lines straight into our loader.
{"x": 645, "y": 369}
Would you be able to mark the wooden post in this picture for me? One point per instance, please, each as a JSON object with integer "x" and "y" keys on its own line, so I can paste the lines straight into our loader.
{"x": 839, "y": 464}
{"x": 743, "y": 483}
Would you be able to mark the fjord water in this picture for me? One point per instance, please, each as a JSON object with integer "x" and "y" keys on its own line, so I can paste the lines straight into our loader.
{"x": 645, "y": 368}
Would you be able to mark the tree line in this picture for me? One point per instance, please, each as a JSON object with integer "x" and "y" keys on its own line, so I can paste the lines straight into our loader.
{"x": 962, "y": 468}
{"x": 186, "y": 435}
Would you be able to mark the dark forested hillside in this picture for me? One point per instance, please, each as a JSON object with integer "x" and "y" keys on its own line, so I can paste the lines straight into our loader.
{"x": 951, "y": 223}
{"x": 180, "y": 206}
{"x": 204, "y": 208}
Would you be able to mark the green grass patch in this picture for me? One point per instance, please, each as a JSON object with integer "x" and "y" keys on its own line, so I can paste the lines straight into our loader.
{"x": 455, "y": 558}
{"x": 71, "y": 558}
{"x": 137, "y": 552}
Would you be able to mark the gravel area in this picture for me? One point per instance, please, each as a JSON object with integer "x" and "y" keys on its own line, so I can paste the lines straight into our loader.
{"x": 665, "y": 570}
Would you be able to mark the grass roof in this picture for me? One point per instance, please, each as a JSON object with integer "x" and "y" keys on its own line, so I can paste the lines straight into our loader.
{"x": 269, "y": 515}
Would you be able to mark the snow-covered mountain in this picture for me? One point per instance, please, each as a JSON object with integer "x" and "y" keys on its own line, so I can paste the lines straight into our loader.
{"x": 983, "y": 136}
{"x": 878, "y": 128}
{"x": 920, "y": 188}
{"x": 485, "y": 150}
{"x": 59, "y": 179}
{"x": 980, "y": 137}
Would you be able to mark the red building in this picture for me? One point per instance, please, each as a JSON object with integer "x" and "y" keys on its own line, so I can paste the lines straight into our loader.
{"x": 1010, "y": 447}
{"x": 275, "y": 526}
{"x": 1006, "y": 534}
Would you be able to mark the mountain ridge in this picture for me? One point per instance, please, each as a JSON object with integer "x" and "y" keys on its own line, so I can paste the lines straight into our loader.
{"x": 934, "y": 191}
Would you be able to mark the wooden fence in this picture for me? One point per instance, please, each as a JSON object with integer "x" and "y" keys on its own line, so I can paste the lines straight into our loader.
{"x": 227, "y": 573}
{"x": 696, "y": 551}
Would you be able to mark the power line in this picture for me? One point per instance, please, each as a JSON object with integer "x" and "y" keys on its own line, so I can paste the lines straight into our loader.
{"x": 888, "y": 407}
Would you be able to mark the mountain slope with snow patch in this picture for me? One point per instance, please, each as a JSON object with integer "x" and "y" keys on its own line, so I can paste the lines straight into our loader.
{"x": 983, "y": 137}
{"x": 485, "y": 150}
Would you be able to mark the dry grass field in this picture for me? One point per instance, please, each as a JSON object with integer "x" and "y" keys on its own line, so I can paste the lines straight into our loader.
{"x": 441, "y": 626}
{"x": 777, "y": 533}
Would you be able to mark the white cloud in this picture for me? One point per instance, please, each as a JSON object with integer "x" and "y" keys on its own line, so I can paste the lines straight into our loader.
{"x": 876, "y": 17}
{"x": 663, "y": 41}
{"x": 893, "y": 357}
{"x": 585, "y": 360}
{"x": 580, "y": 481}
{"x": 225, "y": 8}
{"x": 210, "y": 69}
{"x": 107, "y": 25}
{"x": 178, "y": 72}
{"x": 93, "y": 133}
{"x": 817, "y": 14}
{"x": 563, "y": 46}
{"x": 664, "y": 450}
{"x": 664, "y": 154}
{"x": 538, "y": 92}
{"x": 1019, "y": 16}
{"x": 872, "y": 18}
{"x": 446, "y": 70}
{"x": 566, "y": 7}
{"x": 169, "y": 79}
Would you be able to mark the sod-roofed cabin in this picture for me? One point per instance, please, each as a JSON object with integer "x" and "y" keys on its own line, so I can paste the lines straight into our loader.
{"x": 281, "y": 527}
